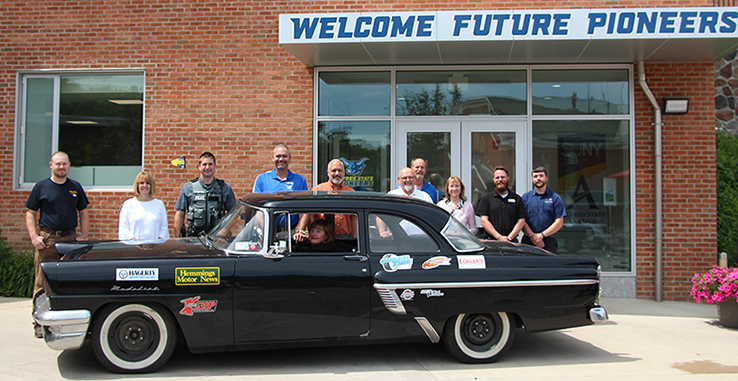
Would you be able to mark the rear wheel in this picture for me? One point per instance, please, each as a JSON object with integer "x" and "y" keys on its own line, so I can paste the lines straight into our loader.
{"x": 479, "y": 338}
{"x": 133, "y": 338}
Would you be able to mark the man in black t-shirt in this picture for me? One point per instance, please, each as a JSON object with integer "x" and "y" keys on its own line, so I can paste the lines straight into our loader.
{"x": 501, "y": 211}
{"x": 57, "y": 200}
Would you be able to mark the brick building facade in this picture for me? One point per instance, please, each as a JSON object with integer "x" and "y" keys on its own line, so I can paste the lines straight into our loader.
{"x": 217, "y": 79}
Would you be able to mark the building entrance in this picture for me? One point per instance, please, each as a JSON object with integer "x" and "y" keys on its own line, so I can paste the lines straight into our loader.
{"x": 467, "y": 149}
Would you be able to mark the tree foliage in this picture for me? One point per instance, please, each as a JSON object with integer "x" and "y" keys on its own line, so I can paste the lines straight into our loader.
{"x": 727, "y": 195}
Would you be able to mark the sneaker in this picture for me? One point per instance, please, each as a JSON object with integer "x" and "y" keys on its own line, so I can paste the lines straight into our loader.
{"x": 38, "y": 331}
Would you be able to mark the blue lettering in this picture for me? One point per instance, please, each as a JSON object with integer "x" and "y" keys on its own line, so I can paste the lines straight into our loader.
{"x": 460, "y": 21}
{"x": 304, "y": 27}
{"x": 596, "y": 20}
{"x": 482, "y": 29}
{"x": 399, "y": 28}
{"x": 708, "y": 20}
{"x": 667, "y": 22}
{"x": 644, "y": 21}
{"x": 360, "y": 21}
{"x": 541, "y": 22}
{"x": 517, "y": 29}
{"x": 381, "y": 26}
{"x": 500, "y": 20}
{"x": 729, "y": 26}
{"x": 342, "y": 33}
{"x": 326, "y": 27}
{"x": 687, "y": 24}
{"x": 560, "y": 24}
{"x": 424, "y": 26}
{"x": 611, "y": 23}
{"x": 626, "y": 22}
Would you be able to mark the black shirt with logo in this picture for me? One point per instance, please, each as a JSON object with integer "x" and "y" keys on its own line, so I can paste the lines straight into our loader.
{"x": 58, "y": 203}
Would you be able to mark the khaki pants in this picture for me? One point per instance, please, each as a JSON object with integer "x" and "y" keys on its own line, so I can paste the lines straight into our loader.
{"x": 43, "y": 255}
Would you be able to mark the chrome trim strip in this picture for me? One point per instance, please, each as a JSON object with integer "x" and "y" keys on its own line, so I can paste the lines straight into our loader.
{"x": 428, "y": 329}
{"x": 520, "y": 283}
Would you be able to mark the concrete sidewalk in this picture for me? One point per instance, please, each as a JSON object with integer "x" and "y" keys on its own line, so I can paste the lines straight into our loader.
{"x": 642, "y": 340}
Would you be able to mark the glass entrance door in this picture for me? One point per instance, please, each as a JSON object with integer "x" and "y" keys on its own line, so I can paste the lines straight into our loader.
{"x": 467, "y": 149}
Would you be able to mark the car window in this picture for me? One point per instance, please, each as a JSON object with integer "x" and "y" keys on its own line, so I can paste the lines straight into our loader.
{"x": 330, "y": 232}
{"x": 390, "y": 233}
{"x": 242, "y": 230}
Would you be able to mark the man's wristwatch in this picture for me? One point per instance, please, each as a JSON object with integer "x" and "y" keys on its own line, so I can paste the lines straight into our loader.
{"x": 543, "y": 235}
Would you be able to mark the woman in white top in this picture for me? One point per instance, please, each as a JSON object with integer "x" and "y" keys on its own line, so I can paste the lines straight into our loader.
{"x": 456, "y": 204}
{"x": 143, "y": 216}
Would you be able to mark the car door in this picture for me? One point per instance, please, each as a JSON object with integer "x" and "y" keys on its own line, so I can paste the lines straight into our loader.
{"x": 302, "y": 295}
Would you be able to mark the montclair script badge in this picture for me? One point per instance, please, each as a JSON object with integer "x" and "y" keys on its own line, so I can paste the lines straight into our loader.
{"x": 197, "y": 276}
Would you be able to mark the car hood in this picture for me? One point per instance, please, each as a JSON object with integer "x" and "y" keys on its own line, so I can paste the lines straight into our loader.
{"x": 492, "y": 247}
{"x": 134, "y": 249}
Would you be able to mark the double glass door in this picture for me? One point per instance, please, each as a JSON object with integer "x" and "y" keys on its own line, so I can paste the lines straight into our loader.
{"x": 469, "y": 150}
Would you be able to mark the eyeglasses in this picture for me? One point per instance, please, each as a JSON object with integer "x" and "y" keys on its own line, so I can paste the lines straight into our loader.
{"x": 407, "y": 178}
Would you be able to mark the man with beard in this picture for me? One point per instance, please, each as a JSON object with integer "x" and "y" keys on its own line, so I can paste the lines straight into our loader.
{"x": 502, "y": 211}
{"x": 407, "y": 180}
{"x": 344, "y": 224}
{"x": 419, "y": 167}
{"x": 202, "y": 201}
{"x": 59, "y": 200}
{"x": 280, "y": 178}
{"x": 546, "y": 212}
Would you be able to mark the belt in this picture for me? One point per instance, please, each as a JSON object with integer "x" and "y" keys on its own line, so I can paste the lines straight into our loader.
{"x": 58, "y": 233}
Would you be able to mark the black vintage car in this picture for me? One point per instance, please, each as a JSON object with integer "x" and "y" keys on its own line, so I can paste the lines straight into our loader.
{"x": 408, "y": 272}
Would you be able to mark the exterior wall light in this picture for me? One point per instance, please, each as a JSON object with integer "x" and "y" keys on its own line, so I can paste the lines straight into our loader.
{"x": 676, "y": 105}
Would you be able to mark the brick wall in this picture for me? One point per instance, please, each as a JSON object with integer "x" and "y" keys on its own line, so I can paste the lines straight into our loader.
{"x": 689, "y": 179}
{"x": 217, "y": 80}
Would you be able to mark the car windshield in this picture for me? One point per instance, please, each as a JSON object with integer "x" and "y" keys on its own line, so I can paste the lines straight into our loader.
{"x": 460, "y": 237}
{"x": 242, "y": 230}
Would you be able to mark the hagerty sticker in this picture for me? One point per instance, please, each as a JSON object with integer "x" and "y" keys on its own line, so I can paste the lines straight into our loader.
{"x": 196, "y": 276}
{"x": 392, "y": 262}
{"x": 194, "y": 305}
{"x": 136, "y": 274}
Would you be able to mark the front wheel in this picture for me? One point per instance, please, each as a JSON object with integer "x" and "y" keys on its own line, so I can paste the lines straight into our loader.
{"x": 133, "y": 338}
{"x": 479, "y": 338}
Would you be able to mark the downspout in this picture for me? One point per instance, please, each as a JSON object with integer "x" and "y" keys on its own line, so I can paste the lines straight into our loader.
{"x": 657, "y": 185}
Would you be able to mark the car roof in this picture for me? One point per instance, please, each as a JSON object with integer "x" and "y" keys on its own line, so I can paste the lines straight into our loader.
{"x": 376, "y": 201}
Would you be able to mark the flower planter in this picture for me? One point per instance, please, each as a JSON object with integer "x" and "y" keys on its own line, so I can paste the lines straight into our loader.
{"x": 728, "y": 313}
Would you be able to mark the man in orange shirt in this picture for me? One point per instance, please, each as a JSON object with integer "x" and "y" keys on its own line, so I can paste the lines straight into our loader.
{"x": 344, "y": 223}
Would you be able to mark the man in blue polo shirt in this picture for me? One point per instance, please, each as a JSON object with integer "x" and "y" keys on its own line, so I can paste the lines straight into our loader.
{"x": 280, "y": 178}
{"x": 546, "y": 212}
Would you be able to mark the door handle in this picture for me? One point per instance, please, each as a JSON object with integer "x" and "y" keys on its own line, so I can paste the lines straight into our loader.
{"x": 360, "y": 258}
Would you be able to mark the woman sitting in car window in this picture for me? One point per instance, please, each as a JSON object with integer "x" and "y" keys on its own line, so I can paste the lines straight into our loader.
{"x": 320, "y": 238}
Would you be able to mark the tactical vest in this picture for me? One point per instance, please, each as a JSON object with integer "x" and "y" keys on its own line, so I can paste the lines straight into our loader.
{"x": 206, "y": 209}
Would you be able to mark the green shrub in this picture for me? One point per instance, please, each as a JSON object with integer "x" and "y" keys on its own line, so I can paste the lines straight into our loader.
{"x": 16, "y": 272}
{"x": 727, "y": 195}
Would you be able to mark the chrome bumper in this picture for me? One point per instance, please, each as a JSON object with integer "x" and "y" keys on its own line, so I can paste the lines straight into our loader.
{"x": 598, "y": 314}
{"x": 62, "y": 329}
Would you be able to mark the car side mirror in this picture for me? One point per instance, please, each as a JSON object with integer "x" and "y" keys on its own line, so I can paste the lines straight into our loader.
{"x": 276, "y": 250}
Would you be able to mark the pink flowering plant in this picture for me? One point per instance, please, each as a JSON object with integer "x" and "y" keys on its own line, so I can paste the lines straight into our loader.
{"x": 717, "y": 285}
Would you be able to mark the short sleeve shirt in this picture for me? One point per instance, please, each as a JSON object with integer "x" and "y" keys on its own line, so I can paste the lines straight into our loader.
{"x": 58, "y": 203}
{"x": 342, "y": 221}
{"x": 186, "y": 193}
{"x": 503, "y": 212}
{"x": 269, "y": 182}
{"x": 543, "y": 209}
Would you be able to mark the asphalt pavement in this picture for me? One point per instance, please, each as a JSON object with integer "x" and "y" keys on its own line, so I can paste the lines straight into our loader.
{"x": 643, "y": 340}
